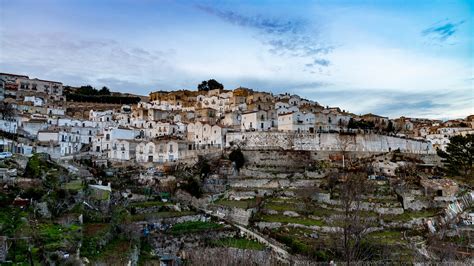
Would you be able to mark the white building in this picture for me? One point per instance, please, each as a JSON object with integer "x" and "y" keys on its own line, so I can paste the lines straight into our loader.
{"x": 256, "y": 121}
{"x": 297, "y": 122}
{"x": 122, "y": 150}
{"x": 203, "y": 135}
{"x": 161, "y": 151}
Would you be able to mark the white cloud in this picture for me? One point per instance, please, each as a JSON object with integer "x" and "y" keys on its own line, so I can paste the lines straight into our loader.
{"x": 396, "y": 69}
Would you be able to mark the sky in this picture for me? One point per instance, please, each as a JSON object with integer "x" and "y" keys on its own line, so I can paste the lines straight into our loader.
{"x": 413, "y": 58}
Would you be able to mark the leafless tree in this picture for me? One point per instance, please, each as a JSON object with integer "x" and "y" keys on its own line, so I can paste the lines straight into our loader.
{"x": 353, "y": 222}
{"x": 408, "y": 173}
{"x": 344, "y": 143}
{"x": 6, "y": 110}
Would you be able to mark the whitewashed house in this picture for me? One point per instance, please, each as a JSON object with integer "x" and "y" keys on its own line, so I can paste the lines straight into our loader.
{"x": 122, "y": 150}
{"x": 161, "y": 151}
{"x": 297, "y": 122}
{"x": 256, "y": 121}
{"x": 203, "y": 135}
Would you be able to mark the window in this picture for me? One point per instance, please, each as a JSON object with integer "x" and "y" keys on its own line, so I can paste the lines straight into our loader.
{"x": 171, "y": 147}
{"x": 107, "y": 137}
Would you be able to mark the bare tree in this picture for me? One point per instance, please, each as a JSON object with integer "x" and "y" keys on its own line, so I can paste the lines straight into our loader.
{"x": 354, "y": 223}
{"x": 344, "y": 143}
{"x": 6, "y": 110}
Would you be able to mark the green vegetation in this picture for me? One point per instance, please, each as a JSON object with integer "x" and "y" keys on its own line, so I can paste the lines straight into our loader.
{"x": 240, "y": 243}
{"x": 362, "y": 124}
{"x": 155, "y": 215}
{"x": 294, "y": 220}
{"x": 386, "y": 237}
{"x": 74, "y": 185}
{"x": 55, "y": 237}
{"x": 410, "y": 215}
{"x": 237, "y": 157}
{"x": 93, "y": 238}
{"x": 193, "y": 187}
{"x": 243, "y": 204}
{"x": 148, "y": 204}
{"x": 322, "y": 212}
{"x": 90, "y": 94}
{"x": 102, "y": 99}
{"x": 147, "y": 256}
{"x": 11, "y": 219}
{"x": 116, "y": 252}
{"x": 298, "y": 246}
{"x": 192, "y": 227}
{"x": 211, "y": 84}
{"x": 36, "y": 166}
{"x": 459, "y": 155}
{"x": 281, "y": 206}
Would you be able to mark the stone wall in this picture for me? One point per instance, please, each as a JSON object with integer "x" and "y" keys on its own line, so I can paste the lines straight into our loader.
{"x": 235, "y": 215}
{"x": 276, "y": 161}
{"x": 172, "y": 244}
{"x": 328, "y": 142}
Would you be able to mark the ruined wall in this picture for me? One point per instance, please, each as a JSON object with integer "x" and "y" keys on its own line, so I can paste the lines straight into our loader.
{"x": 329, "y": 142}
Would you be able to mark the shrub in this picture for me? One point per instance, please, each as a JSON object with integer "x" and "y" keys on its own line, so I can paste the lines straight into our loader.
{"x": 238, "y": 158}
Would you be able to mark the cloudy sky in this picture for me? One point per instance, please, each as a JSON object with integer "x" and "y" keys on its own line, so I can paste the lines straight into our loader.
{"x": 413, "y": 58}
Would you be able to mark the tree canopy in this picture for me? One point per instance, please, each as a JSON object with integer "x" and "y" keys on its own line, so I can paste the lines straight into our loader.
{"x": 238, "y": 157}
{"x": 89, "y": 90}
{"x": 361, "y": 124}
{"x": 6, "y": 110}
{"x": 459, "y": 155}
{"x": 211, "y": 84}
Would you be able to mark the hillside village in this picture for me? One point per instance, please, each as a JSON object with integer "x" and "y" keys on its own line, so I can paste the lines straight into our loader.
{"x": 212, "y": 175}
{"x": 175, "y": 125}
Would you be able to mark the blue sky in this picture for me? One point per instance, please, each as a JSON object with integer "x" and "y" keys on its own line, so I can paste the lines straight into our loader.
{"x": 413, "y": 58}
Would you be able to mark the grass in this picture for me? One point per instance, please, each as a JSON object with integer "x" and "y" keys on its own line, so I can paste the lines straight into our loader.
{"x": 74, "y": 185}
{"x": 147, "y": 256}
{"x": 410, "y": 215}
{"x": 148, "y": 204}
{"x": 240, "y": 243}
{"x": 57, "y": 237}
{"x": 11, "y": 220}
{"x": 387, "y": 237}
{"x": 281, "y": 206}
{"x": 192, "y": 227}
{"x": 116, "y": 252}
{"x": 321, "y": 212}
{"x": 157, "y": 215}
{"x": 294, "y": 220}
{"x": 243, "y": 204}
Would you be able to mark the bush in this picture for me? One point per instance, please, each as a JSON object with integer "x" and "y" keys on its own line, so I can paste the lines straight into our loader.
{"x": 193, "y": 187}
{"x": 238, "y": 158}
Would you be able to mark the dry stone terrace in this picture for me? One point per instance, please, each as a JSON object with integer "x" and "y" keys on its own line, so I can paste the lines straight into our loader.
{"x": 259, "y": 178}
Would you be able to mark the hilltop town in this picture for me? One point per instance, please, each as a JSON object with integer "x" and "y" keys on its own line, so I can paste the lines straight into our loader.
{"x": 186, "y": 175}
